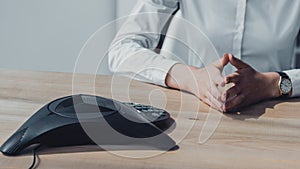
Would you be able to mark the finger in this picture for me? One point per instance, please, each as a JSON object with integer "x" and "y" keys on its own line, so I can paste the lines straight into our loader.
{"x": 207, "y": 101}
{"x": 216, "y": 104}
{"x": 221, "y": 63}
{"x": 232, "y": 78}
{"x": 225, "y": 59}
{"x": 239, "y": 64}
{"x": 210, "y": 104}
{"x": 223, "y": 82}
{"x": 234, "y": 103}
{"x": 233, "y": 91}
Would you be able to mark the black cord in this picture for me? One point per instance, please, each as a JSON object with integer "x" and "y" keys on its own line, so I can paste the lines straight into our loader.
{"x": 32, "y": 166}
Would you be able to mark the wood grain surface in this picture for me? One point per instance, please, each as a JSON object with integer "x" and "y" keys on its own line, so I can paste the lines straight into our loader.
{"x": 265, "y": 135}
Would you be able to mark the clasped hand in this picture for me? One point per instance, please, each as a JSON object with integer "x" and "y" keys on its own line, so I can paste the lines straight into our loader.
{"x": 248, "y": 86}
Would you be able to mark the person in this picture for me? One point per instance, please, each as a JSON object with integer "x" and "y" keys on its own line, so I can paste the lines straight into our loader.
{"x": 257, "y": 37}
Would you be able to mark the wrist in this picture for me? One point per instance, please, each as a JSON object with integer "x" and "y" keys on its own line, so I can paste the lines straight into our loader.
{"x": 173, "y": 76}
{"x": 272, "y": 79}
{"x": 179, "y": 77}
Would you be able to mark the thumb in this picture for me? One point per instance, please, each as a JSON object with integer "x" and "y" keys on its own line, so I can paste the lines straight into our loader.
{"x": 239, "y": 64}
{"x": 224, "y": 60}
{"x": 221, "y": 63}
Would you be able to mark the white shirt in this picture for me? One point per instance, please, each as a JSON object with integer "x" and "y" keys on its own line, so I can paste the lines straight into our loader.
{"x": 261, "y": 33}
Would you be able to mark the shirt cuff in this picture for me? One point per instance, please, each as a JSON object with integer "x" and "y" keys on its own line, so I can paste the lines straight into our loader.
{"x": 295, "y": 78}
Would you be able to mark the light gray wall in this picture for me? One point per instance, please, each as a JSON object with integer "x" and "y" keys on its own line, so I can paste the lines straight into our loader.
{"x": 124, "y": 7}
{"x": 47, "y": 35}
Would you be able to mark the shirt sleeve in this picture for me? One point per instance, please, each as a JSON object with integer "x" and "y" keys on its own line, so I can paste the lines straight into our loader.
{"x": 294, "y": 75}
{"x": 132, "y": 52}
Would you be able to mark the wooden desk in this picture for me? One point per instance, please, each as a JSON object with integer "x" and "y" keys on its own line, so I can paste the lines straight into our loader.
{"x": 266, "y": 135}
